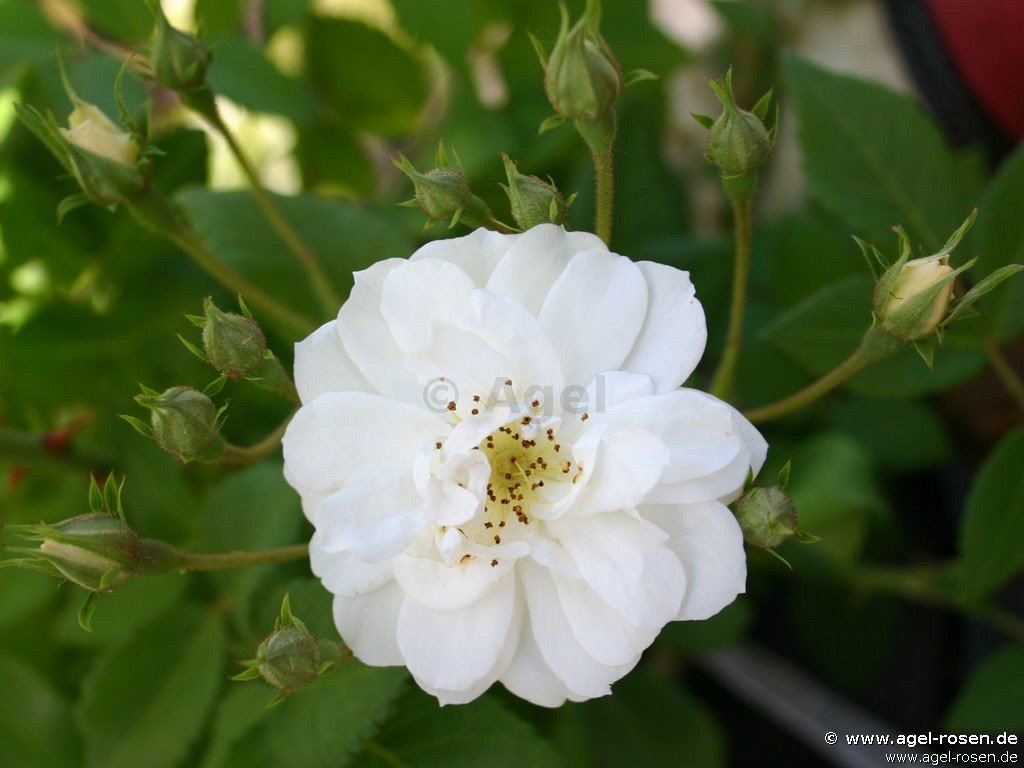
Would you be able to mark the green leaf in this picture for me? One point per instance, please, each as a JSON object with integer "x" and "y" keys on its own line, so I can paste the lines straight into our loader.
{"x": 252, "y": 509}
{"x": 902, "y": 436}
{"x": 992, "y": 701}
{"x": 836, "y": 495}
{"x": 992, "y": 538}
{"x": 247, "y": 77}
{"x": 368, "y": 78}
{"x": 36, "y": 730}
{"x": 825, "y": 328}
{"x": 146, "y": 702}
{"x": 424, "y": 735}
{"x": 647, "y": 721}
{"x": 721, "y": 630}
{"x": 237, "y": 714}
{"x": 121, "y": 613}
{"x": 872, "y": 156}
{"x": 999, "y": 240}
{"x": 319, "y": 726}
{"x": 333, "y": 160}
{"x": 325, "y": 224}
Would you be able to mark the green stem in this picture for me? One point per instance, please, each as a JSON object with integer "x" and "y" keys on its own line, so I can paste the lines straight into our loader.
{"x": 846, "y": 369}
{"x": 204, "y": 104}
{"x": 599, "y": 135}
{"x": 155, "y": 213}
{"x": 722, "y": 382}
{"x": 1005, "y": 371}
{"x": 252, "y": 454}
{"x": 28, "y": 451}
{"x": 920, "y": 585}
{"x": 876, "y": 345}
{"x": 222, "y": 561}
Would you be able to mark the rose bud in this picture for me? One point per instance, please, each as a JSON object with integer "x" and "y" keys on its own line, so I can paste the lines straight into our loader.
{"x": 180, "y": 61}
{"x": 234, "y": 344}
{"x": 289, "y": 658}
{"x": 533, "y": 200}
{"x": 739, "y": 141}
{"x": 184, "y": 422}
{"x": 582, "y": 77}
{"x": 444, "y": 193}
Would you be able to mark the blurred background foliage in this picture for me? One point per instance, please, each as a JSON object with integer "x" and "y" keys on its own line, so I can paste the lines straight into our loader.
{"x": 904, "y": 467}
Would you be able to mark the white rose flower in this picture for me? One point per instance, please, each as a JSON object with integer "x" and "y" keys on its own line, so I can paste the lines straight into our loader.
{"x": 515, "y": 534}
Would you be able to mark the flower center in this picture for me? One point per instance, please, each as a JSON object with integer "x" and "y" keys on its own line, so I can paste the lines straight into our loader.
{"x": 528, "y": 466}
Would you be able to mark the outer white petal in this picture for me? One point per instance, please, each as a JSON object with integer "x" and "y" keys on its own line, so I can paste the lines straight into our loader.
{"x": 368, "y": 625}
{"x": 452, "y": 650}
{"x": 671, "y": 341}
{"x": 310, "y": 499}
{"x": 594, "y": 312}
{"x": 342, "y": 438}
{"x": 529, "y": 677}
{"x": 466, "y": 695}
{"x": 577, "y": 670}
{"x": 420, "y": 294}
{"x": 712, "y": 446}
{"x": 374, "y": 520}
{"x": 535, "y": 260}
{"x": 433, "y": 584}
{"x": 472, "y": 337}
{"x": 367, "y": 338}
{"x": 343, "y": 573}
{"x": 709, "y": 543}
{"x": 476, "y": 254}
{"x": 599, "y": 628}
{"x": 625, "y": 561}
{"x": 323, "y": 365}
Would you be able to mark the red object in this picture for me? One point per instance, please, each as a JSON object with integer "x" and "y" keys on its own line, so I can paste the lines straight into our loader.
{"x": 985, "y": 40}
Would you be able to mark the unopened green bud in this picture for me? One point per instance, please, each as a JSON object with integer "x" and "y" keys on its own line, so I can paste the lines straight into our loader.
{"x": 533, "y": 200}
{"x": 767, "y": 516}
{"x": 739, "y": 141}
{"x": 96, "y": 551}
{"x": 444, "y": 193}
{"x": 185, "y": 423}
{"x": 234, "y": 344}
{"x": 290, "y": 657}
{"x": 582, "y": 77}
{"x": 180, "y": 61}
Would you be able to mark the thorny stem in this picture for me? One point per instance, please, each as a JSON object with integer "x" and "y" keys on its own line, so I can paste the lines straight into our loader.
{"x": 204, "y": 104}
{"x": 722, "y": 382}
{"x": 154, "y": 212}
